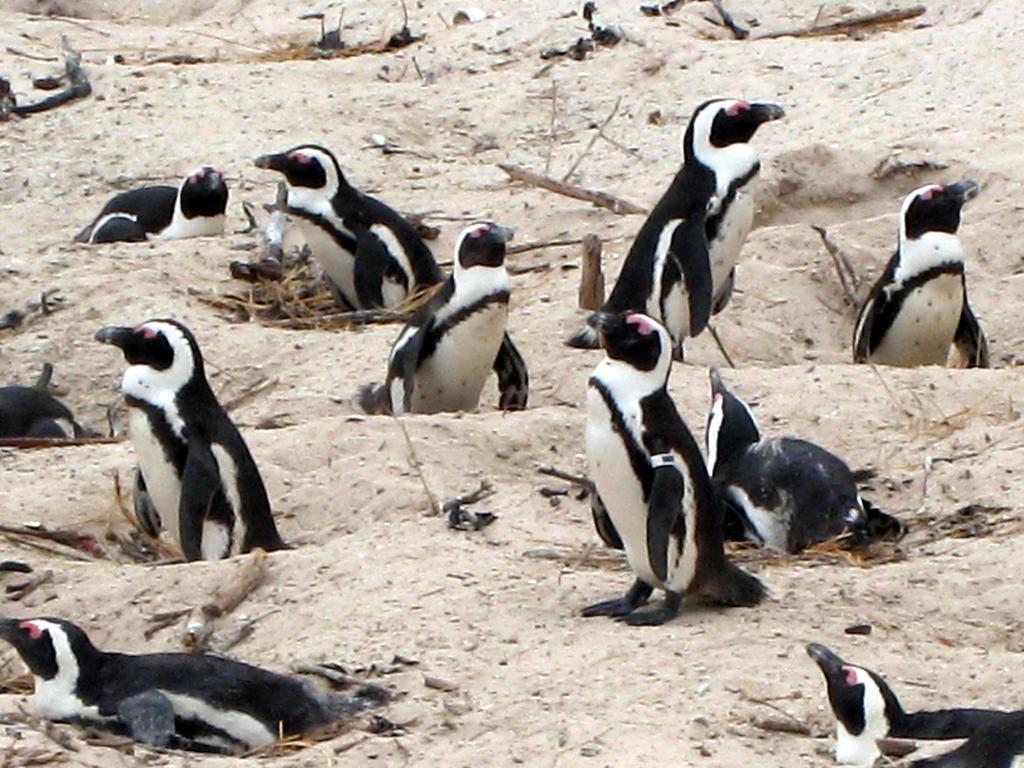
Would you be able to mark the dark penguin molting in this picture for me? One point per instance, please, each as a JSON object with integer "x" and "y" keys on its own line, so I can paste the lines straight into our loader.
{"x": 443, "y": 357}
{"x": 782, "y": 492}
{"x": 194, "y": 208}
{"x": 682, "y": 265}
{"x": 200, "y": 477}
{"x": 30, "y": 412}
{"x": 371, "y": 254}
{"x": 867, "y": 710}
{"x": 187, "y": 701}
{"x": 918, "y": 308}
{"x": 655, "y": 496}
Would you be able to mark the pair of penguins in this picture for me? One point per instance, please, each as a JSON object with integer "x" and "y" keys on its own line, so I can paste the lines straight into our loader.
{"x": 866, "y": 709}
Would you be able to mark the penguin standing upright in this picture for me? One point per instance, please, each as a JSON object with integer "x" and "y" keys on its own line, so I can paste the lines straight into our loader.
{"x": 651, "y": 480}
{"x": 918, "y": 307}
{"x": 200, "y": 702}
{"x": 682, "y": 265}
{"x": 194, "y": 208}
{"x": 371, "y": 254}
{"x": 195, "y": 466}
{"x": 442, "y": 358}
{"x": 783, "y": 492}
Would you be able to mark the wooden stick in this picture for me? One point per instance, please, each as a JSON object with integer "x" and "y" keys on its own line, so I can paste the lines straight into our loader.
{"x": 591, "y": 293}
{"x": 852, "y": 24}
{"x": 23, "y": 589}
{"x": 29, "y": 443}
{"x": 541, "y": 244}
{"x": 600, "y": 199}
{"x": 261, "y": 386}
{"x": 781, "y": 725}
{"x": 228, "y": 597}
{"x": 740, "y": 33}
{"x": 848, "y": 277}
{"x": 417, "y": 467}
{"x": 721, "y": 346}
{"x": 83, "y": 542}
{"x": 581, "y": 480}
{"x": 78, "y": 84}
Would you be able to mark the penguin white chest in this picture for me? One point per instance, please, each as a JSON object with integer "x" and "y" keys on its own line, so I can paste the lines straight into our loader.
{"x": 732, "y": 234}
{"x": 200, "y": 226}
{"x": 338, "y": 263}
{"x": 453, "y": 377}
{"x": 162, "y": 480}
{"x": 923, "y": 329}
{"x": 619, "y": 489}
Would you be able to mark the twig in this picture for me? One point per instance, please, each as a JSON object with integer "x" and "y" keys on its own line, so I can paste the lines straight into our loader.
{"x": 484, "y": 491}
{"x": 82, "y": 542}
{"x": 32, "y": 56}
{"x": 225, "y": 600}
{"x": 417, "y": 467}
{"x": 159, "y": 621}
{"x": 721, "y": 347}
{"x": 243, "y": 632}
{"x": 261, "y": 386}
{"x": 781, "y": 725}
{"x": 848, "y": 277}
{"x": 593, "y": 140}
{"x": 852, "y": 24}
{"x": 600, "y": 199}
{"x": 78, "y": 84}
{"x": 23, "y": 589}
{"x": 580, "y": 480}
{"x": 551, "y": 127}
{"x": 29, "y": 443}
{"x": 740, "y": 33}
{"x": 541, "y": 244}
{"x": 522, "y": 269}
{"x": 75, "y": 22}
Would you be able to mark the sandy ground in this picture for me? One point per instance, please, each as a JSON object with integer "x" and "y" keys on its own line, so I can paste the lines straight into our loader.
{"x": 372, "y": 574}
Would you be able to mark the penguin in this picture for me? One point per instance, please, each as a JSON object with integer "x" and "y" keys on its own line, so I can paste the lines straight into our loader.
{"x": 31, "y": 412}
{"x": 783, "y": 493}
{"x": 198, "y": 702}
{"x": 918, "y": 307}
{"x": 372, "y": 255}
{"x": 650, "y": 477}
{"x": 441, "y": 359}
{"x": 202, "y": 481}
{"x": 681, "y": 267}
{"x": 866, "y": 710}
{"x": 195, "y": 208}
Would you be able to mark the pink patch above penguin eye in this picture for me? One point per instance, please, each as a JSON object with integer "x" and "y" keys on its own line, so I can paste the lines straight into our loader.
{"x": 735, "y": 109}
{"x": 929, "y": 193}
{"x": 33, "y": 630}
{"x": 478, "y": 232}
{"x": 641, "y": 323}
{"x": 300, "y": 157}
{"x": 851, "y": 675}
{"x": 146, "y": 333}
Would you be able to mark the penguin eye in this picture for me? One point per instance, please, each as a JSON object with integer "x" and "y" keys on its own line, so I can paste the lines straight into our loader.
{"x": 32, "y": 629}
{"x": 737, "y": 108}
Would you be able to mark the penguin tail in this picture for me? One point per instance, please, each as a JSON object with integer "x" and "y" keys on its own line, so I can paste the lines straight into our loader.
{"x": 84, "y": 235}
{"x": 731, "y": 586}
{"x": 372, "y": 398}
{"x": 586, "y": 338}
{"x": 876, "y": 525}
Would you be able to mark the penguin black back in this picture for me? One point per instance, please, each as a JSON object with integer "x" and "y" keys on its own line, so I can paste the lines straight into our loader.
{"x": 30, "y": 412}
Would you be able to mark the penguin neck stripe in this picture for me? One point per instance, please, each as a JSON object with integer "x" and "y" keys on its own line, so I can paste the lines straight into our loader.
{"x": 344, "y": 240}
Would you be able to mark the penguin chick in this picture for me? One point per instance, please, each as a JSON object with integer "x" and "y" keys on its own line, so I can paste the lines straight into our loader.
{"x": 650, "y": 476}
{"x": 192, "y": 209}
{"x": 202, "y": 482}
{"x": 918, "y": 308}
{"x": 188, "y": 701}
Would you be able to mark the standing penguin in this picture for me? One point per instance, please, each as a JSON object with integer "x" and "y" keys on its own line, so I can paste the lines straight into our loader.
{"x": 371, "y": 254}
{"x": 918, "y": 307}
{"x": 200, "y": 477}
{"x": 651, "y": 480}
{"x": 194, "y": 208}
{"x": 442, "y": 358}
{"x": 682, "y": 265}
{"x": 784, "y": 493}
{"x": 200, "y": 702}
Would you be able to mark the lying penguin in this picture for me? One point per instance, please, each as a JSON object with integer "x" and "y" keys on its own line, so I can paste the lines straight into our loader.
{"x": 654, "y": 496}
{"x": 681, "y": 267}
{"x": 918, "y": 308}
{"x": 782, "y": 492}
{"x": 34, "y": 412}
{"x": 183, "y": 701}
{"x": 866, "y": 710}
{"x": 441, "y": 360}
{"x": 194, "y": 208}
{"x": 196, "y": 469}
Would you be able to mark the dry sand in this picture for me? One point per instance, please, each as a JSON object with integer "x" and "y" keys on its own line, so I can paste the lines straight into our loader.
{"x": 372, "y": 575}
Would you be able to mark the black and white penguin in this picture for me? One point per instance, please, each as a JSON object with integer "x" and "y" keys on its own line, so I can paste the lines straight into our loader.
{"x": 371, "y": 254}
{"x": 196, "y": 468}
{"x": 681, "y": 267}
{"x": 918, "y": 308}
{"x": 650, "y": 477}
{"x": 866, "y": 710}
{"x": 195, "y": 208}
{"x": 442, "y": 358}
{"x": 30, "y": 412}
{"x": 186, "y": 701}
{"x": 782, "y": 492}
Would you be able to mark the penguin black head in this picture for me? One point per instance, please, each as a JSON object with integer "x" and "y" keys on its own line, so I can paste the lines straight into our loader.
{"x": 721, "y": 123}
{"x": 635, "y": 339}
{"x": 482, "y": 245}
{"x": 162, "y": 355}
{"x": 203, "y": 193}
{"x": 48, "y": 646}
{"x": 306, "y": 167}
{"x": 935, "y": 208}
{"x": 731, "y": 426}
{"x": 863, "y": 704}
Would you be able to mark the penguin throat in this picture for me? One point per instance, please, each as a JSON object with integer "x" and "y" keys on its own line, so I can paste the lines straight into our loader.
{"x": 730, "y": 164}
{"x": 932, "y": 250}
{"x": 859, "y": 750}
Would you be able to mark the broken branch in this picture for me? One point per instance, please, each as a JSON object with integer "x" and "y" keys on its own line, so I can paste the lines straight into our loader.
{"x": 78, "y": 84}
{"x": 600, "y": 199}
{"x": 852, "y": 24}
{"x": 849, "y": 280}
{"x": 225, "y": 600}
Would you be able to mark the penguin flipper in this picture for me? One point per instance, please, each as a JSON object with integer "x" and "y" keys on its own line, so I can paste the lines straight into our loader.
{"x": 603, "y": 522}
{"x": 199, "y": 483}
{"x": 970, "y": 340}
{"x": 371, "y": 261}
{"x": 513, "y": 377}
{"x": 117, "y": 229}
{"x": 722, "y": 299}
{"x": 862, "y": 331}
{"x": 664, "y": 515}
{"x": 145, "y": 512}
{"x": 149, "y": 718}
{"x": 411, "y": 355}
{"x": 691, "y": 253}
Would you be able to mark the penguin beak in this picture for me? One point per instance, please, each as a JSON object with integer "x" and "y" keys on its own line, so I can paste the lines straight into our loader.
{"x": 766, "y": 113}
{"x": 503, "y": 234}
{"x": 271, "y": 162}
{"x": 114, "y": 334}
{"x": 830, "y": 664}
{"x": 8, "y": 629}
{"x": 717, "y": 386}
{"x": 603, "y": 321}
{"x": 963, "y": 190}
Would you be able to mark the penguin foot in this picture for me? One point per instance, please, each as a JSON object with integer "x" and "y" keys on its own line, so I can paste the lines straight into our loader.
{"x": 637, "y": 596}
{"x": 149, "y": 718}
{"x": 654, "y": 617}
{"x": 678, "y": 355}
